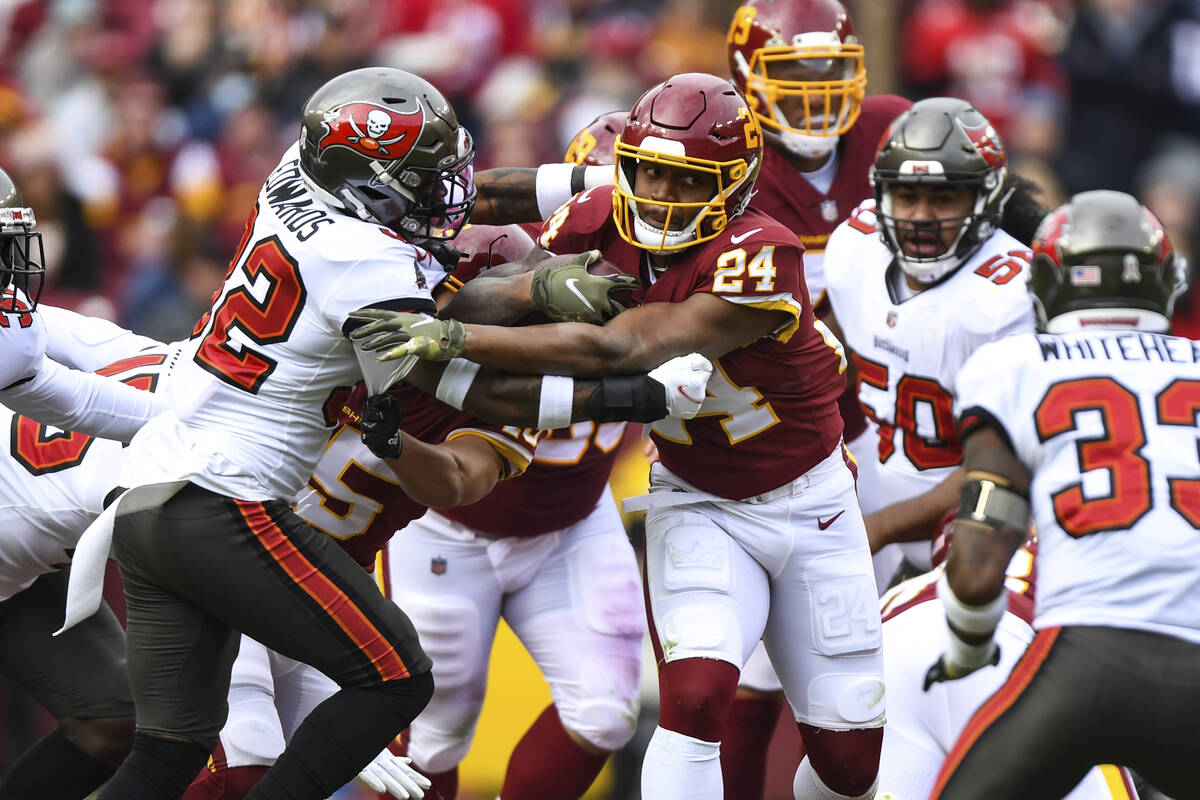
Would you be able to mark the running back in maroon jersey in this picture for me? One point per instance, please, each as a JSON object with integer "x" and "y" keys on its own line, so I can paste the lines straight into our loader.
{"x": 771, "y": 413}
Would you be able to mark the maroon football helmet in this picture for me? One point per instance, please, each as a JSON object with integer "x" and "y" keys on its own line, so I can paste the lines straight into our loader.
{"x": 593, "y": 146}
{"x": 692, "y": 121}
{"x": 484, "y": 246}
{"x": 801, "y": 55}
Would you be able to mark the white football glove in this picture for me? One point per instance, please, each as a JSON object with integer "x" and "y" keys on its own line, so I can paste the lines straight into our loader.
{"x": 391, "y": 773}
{"x": 685, "y": 379}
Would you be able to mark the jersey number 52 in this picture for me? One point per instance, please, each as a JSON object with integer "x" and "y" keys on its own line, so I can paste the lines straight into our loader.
{"x": 262, "y": 311}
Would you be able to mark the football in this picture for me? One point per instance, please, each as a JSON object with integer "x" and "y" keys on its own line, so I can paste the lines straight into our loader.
{"x": 605, "y": 267}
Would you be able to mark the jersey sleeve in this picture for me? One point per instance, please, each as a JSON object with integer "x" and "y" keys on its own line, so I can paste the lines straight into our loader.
{"x": 986, "y": 393}
{"x": 571, "y": 227}
{"x": 766, "y": 276}
{"x": 88, "y": 343}
{"x": 389, "y": 278}
{"x": 83, "y": 402}
{"x": 841, "y": 251}
{"x": 508, "y": 442}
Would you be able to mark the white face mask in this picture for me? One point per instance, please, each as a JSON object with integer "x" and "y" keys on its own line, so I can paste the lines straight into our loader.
{"x": 803, "y": 145}
{"x": 651, "y": 236}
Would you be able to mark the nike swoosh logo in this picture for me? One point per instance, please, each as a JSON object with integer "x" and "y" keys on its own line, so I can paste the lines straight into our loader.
{"x": 583, "y": 197}
{"x": 570, "y": 282}
{"x": 825, "y": 523}
{"x": 738, "y": 239}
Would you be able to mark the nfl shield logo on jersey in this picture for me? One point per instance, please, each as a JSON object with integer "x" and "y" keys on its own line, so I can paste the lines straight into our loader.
{"x": 829, "y": 210}
{"x": 437, "y": 565}
{"x": 891, "y": 318}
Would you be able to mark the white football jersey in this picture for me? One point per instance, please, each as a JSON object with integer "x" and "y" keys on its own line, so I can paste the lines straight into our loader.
{"x": 248, "y": 397}
{"x": 22, "y": 340}
{"x": 1106, "y": 421}
{"x": 908, "y": 351}
{"x": 53, "y": 482}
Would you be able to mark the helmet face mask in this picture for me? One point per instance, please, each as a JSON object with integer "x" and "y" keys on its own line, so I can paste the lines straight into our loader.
{"x": 385, "y": 146}
{"x": 1102, "y": 260}
{"x": 694, "y": 123}
{"x": 802, "y": 70}
{"x": 939, "y": 142}
{"x": 22, "y": 255}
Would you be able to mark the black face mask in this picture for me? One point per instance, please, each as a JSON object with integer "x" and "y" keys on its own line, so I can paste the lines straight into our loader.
{"x": 22, "y": 267}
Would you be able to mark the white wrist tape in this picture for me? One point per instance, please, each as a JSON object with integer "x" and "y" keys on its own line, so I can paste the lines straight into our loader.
{"x": 598, "y": 175}
{"x": 553, "y": 187}
{"x": 554, "y": 405}
{"x": 456, "y": 382}
{"x": 971, "y": 620}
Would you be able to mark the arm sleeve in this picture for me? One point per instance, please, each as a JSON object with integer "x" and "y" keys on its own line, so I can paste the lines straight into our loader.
{"x": 88, "y": 343}
{"x": 83, "y": 402}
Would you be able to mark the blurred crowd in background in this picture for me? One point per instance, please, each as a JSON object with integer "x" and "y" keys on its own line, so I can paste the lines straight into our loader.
{"x": 140, "y": 130}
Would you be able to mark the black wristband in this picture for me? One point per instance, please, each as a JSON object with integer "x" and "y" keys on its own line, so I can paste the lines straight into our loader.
{"x": 627, "y": 398}
{"x": 577, "y": 176}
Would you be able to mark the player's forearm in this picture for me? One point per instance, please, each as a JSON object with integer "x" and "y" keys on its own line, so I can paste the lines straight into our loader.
{"x": 566, "y": 348}
{"x": 978, "y": 560}
{"x": 914, "y": 519}
{"x": 528, "y": 401}
{"x": 439, "y": 476}
{"x": 491, "y": 300}
{"x": 83, "y": 402}
{"x": 506, "y": 195}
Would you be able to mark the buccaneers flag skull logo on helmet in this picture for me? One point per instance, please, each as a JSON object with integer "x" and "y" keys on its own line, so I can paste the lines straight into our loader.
{"x": 372, "y": 130}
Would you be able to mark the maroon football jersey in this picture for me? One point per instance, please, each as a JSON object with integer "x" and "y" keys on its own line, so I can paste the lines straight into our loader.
{"x": 771, "y": 412}
{"x": 568, "y": 475}
{"x": 783, "y": 194}
{"x": 358, "y": 501}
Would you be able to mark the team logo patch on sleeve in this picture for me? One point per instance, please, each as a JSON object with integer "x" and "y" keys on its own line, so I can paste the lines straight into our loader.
{"x": 372, "y": 130}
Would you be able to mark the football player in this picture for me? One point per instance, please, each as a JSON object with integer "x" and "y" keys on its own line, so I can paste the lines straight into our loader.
{"x": 30, "y": 382}
{"x": 919, "y": 277}
{"x": 801, "y": 66}
{"x": 206, "y": 538}
{"x": 53, "y": 484}
{"x": 752, "y": 523}
{"x": 1087, "y": 429}
{"x": 922, "y": 726}
{"x": 549, "y": 553}
{"x": 361, "y": 498}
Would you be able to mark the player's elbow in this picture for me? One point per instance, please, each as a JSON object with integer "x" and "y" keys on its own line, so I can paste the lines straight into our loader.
{"x": 466, "y": 483}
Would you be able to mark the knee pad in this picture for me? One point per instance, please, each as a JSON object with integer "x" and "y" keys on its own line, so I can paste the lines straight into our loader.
{"x": 701, "y": 630}
{"x": 843, "y": 701}
{"x": 607, "y": 723}
{"x": 252, "y": 735}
